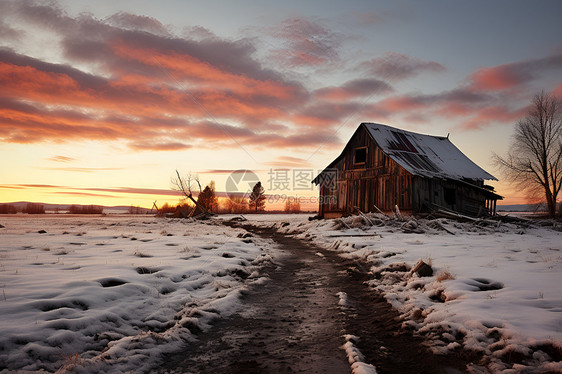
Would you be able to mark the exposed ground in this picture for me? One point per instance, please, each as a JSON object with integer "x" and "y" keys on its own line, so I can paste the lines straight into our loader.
{"x": 294, "y": 323}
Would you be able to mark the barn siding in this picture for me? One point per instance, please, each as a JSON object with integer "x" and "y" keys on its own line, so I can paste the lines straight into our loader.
{"x": 430, "y": 193}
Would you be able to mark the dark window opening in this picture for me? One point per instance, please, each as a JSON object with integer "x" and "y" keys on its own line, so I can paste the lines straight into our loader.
{"x": 450, "y": 196}
{"x": 360, "y": 156}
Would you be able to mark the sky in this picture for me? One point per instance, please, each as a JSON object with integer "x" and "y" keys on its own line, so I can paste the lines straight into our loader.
{"x": 101, "y": 102}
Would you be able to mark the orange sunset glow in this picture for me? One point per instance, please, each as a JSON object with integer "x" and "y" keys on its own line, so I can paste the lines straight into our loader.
{"x": 100, "y": 102}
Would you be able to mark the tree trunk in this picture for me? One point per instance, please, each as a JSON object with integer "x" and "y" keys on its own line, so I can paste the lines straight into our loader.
{"x": 550, "y": 203}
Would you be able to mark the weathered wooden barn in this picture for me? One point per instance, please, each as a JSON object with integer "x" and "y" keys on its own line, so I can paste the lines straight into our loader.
{"x": 382, "y": 167}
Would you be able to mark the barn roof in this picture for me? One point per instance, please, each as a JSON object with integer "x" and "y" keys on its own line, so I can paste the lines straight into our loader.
{"x": 425, "y": 155}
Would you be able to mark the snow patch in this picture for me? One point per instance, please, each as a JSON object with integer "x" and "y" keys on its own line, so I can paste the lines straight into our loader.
{"x": 355, "y": 357}
{"x": 343, "y": 298}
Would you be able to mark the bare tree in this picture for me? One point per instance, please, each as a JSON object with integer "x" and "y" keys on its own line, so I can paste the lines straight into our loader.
{"x": 534, "y": 161}
{"x": 185, "y": 185}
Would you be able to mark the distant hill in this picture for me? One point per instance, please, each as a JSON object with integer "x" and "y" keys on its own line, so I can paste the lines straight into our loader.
{"x": 63, "y": 208}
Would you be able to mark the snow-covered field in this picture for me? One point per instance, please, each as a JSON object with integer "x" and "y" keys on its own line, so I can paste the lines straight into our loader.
{"x": 112, "y": 294}
{"x": 496, "y": 289}
{"x": 93, "y": 294}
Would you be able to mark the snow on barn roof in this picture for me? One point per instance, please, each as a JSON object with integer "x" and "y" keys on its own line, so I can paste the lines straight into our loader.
{"x": 425, "y": 155}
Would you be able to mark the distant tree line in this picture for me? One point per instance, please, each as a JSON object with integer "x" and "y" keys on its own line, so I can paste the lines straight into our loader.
{"x": 207, "y": 201}
{"x": 135, "y": 210}
{"x": 30, "y": 208}
{"x": 292, "y": 205}
{"x": 85, "y": 209}
{"x": 8, "y": 209}
{"x": 34, "y": 208}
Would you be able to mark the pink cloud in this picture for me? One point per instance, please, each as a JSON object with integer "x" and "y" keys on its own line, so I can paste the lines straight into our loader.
{"x": 483, "y": 117}
{"x": 155, "y": 146}
{"x": 515, "y": 74}
{"x": 63, "y": 159}
{"x": 100, "y": 108}
{"x": 498, "y": 78}
{"x": 402, "y": 103}
{"x": 368, "y": 18}
{"x": 474, "y": 110}
{"x": 288, "y": 161}
{"x": 558, "y": 91}
{"x": 81, "y": 170}
{"x": 84, "y": 194}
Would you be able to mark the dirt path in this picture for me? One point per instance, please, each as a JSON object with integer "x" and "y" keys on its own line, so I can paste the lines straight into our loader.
{"x": 293, "y": 323}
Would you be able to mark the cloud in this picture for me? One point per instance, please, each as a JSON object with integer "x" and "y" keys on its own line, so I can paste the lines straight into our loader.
{"x": 305, "y": 43}
{"x": 172, "y": 146}
{"x": 138, "y": 80}
{"x": 485, "y": 116}
{"x": 354, "y": 89}
{"x": 323, "y": 114}
{"x": 473, "y": 110}
{"x": 59, "y": 158}
{"x": 304, "y": 139}
{"x": 514, "y": 74}
{"x": 23, "y": 186}
{"x": 396, "y": 66}
{"x": 136, "y": 22}
{"x": 53, "y": 101}
{"x": 82, "y": 170}
{"x": 131, "y": 79}
{"x": 9, "y": 33}
{"x": 558, "y": 91}
{"x": 368, "y": 18}
{"x": 221, "y": 171}
{"x": 143, "y": 82}
{"x": 89, "y": 190}
{"x": 84, "y": 194}
{"x": 289, "y": 161}
{"x": 134, "y": 190}
{"x": 500, "y": 77}
{"x": 53, "y": 84}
